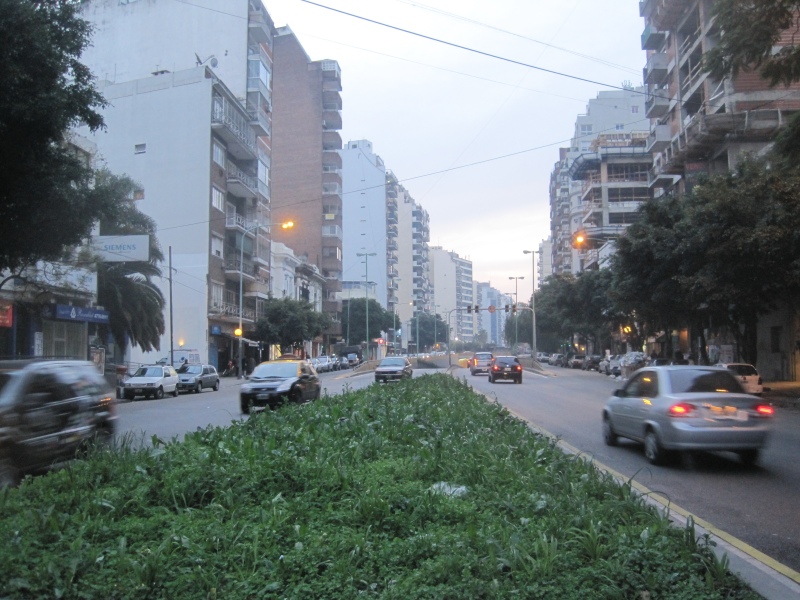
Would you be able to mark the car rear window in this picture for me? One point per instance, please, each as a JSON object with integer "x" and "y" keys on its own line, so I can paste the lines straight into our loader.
{"x": 506, "y": 360}
{"x": 743, "y": 370}
{"x": 687, "y": 381}
{"x": 483, "y": 355}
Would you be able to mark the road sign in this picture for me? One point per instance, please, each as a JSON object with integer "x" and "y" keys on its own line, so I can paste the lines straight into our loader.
{"x": 491, "y": 308}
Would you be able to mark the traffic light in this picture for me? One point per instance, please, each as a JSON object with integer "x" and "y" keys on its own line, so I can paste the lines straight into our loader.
{"x": 469, "y": 309}
{"x": 477, "y": 308}
{"x": 507, "y": 307}
{"x": 514, "y": 309}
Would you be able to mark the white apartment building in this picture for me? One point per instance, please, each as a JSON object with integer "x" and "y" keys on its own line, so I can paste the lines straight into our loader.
{"x": 189, "y": 90}
{"x": 366, "y": 223}
{"x": 453, "y": 292}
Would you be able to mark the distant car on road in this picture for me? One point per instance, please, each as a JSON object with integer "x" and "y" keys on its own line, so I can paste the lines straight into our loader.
{"x": 576, "y": 361}
{"x": 324, "y": 364}
{"x": 353, "y": 360}
{"x": 592, "y": 362}
{"x": 393, "y": 368}
{"x": 481, "y": 362}
{"x": 151, "y": 381}
{"x": 506, "y": 368}
{"x": 687, "y": 408}
{"x": 193, "y": 378}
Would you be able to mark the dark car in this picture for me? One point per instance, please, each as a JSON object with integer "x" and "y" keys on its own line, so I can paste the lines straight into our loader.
{"x": 592, "y": 362}
{"x": 505, "y": 368}
{"x": 687, "y": 408}
{"x": 48, "y": 411}
{"x": 193, "y": 378}
{"x": 279, "y": 381}
{"x": 393, "y": 368}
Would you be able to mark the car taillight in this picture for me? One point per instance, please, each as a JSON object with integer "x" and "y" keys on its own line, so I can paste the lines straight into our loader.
{"x": 495, "y": 368}
{"x": 682, "y": 409}
{"x": 519, "y": 368}
{"x": 764, "y": 410}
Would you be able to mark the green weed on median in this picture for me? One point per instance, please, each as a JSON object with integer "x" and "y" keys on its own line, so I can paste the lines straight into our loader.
{"x": 415, "y": 490}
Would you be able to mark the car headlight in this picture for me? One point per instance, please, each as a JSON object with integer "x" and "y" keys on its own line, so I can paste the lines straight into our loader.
{"x": 246, "y": 388}
{"x": 285, "y": 386}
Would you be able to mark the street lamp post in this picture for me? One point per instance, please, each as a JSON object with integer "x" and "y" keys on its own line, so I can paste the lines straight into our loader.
{"x": 435, "y": 306}
{"x": 533, "y": 254}
{"x": 516, "y": 301}
{"x": 366, "y": 256}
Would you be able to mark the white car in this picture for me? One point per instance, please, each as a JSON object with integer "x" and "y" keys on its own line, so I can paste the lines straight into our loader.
{"x": 748, "y": 376}
{"x": 151, "y": 381}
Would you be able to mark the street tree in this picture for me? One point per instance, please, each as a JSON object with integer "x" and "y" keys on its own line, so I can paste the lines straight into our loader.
{"x": 354, "y": 320}
{"x": 127, "y": 290}
{"x": 288, "y": 323}
{"x": 430, "y": 327}
{"x": 48, "y": 202}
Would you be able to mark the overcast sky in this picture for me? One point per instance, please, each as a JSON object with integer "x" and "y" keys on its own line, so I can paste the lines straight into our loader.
{"x": 428, "y": 107}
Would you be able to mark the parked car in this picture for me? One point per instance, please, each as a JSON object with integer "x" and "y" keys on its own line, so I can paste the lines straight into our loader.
{"x": 748, "y": 376}
{"x": 151, "y": 381}
{"x": 324, "y": 364}
{"x": 592, "y": 362}
{"x": 576, "y": 361}
{"x": 554, "y": 359}
{"x": 507, "y": 368}
{"x": 542, "y": 357}
{"x": 687, "y": 408}
{"x": 614, "y": 367}
{"x": 193, "y": 378}
{"x": 284, "y": 380}
{"x": 563, "y": 360}
{"x": 48, "y": 411}
{"x": 353, "y": 360}
{"x": 393, "y": 368}
{"x": 481, "y": 362}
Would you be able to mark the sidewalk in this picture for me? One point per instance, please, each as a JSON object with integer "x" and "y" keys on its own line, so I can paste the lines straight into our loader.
{"x": 785, "y": 394}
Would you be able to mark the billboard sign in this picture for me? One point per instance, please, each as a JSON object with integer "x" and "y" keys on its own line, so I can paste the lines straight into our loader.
{"x": 122, "y": 248}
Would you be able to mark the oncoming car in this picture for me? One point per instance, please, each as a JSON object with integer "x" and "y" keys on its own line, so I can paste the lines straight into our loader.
{"x": 283, "y": 380}
{"x": 687, "y": 408}
{"x": 393, "y": 368}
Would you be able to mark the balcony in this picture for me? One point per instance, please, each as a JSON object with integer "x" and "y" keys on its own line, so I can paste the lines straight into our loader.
{"x": 258, "y": 28}
{"x": 659, "y": 138}
{"x": 240, "y": 183}
{"x": 331, "y": 140}
{"x": 656, "y": 70}
{"x": 232, "y": 124}
{"x": 331, "y": 119}
{"x": 240, "y": 222}
{"x": 257, "y": 289}
{"x": 261, "y": 122}
{"x": 652, "y": 38}
{"x": 331, "y": 189}
{"x": 228, "y": 309}
{"x": 656, "y": 105}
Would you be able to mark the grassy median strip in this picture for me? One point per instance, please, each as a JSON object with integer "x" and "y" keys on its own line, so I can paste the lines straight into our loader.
{"x": 419, "y": 489}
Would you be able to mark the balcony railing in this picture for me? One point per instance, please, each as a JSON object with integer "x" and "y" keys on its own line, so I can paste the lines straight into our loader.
{"x": 240, "y": 221}
{"x": 234, "y": 127}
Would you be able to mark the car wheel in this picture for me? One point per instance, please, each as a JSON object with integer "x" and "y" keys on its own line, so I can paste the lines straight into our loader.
{"x": 198, "y": 388}
{"x": 471, "y": 372}
{"x": 491, "y": 379}
{"x": 519, "y": 380}
{"x": 609, "y": 435}
{"x": 653, "y": 450}
{"x": 296, "y": 396}
{"x": 749, "y": 457}
{"x": 129, "y": 396}
{"x": 216, "y": 385}
{"x": 159, "y": 393}
{"x": 245, "y": 406}
{"x": 175, "y": 392}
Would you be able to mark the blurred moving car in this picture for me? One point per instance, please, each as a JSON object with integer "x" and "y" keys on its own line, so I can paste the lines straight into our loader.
{"x": 687, "y": 408}
{"x": 49, "y": 410}
{"x": 151, "y": 381}
{"x": 283, "y": 380}
{"x": 393, "y": 368}
{"x": 748, "y": 376}
{"x": 193, "y": 378}
{"x": 481, "y": 362}
{"x": 507, "y": 368}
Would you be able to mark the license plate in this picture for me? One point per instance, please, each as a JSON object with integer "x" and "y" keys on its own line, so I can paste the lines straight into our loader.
{"x": 262, "y": 396}
{"x": 728, "y": 413}
{"x": 138, "y": 390}
{"x": 507, "y": 369}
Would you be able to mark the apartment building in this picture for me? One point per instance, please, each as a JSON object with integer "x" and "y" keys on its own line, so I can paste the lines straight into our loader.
{"x": 453, "y": 292}
{"x": 491, "y": 323}
{"x": 701, "y": 124}
{"x": 367, "y": 224}
{"x": 613, "y": 119}
{"x": 307, "y": 165}
{"x": 189, "y": 118}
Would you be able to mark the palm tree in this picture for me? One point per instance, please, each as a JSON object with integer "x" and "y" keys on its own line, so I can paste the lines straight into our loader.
{"x": 127, "y": 289}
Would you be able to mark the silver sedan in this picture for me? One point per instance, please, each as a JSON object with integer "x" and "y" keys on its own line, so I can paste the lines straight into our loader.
{"x": 687, "y": 408}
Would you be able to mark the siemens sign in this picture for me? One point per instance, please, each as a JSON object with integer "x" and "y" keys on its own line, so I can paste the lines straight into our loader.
{"x": 122, "y": 248}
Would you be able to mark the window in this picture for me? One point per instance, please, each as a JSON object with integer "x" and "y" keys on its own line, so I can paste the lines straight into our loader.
{"x": 217, "y": 293}
{"x": 140, "y": 148}
{"x": 620, "y": 126}
{"x": 217, "y": 247}
{"x": 585, "y": 129}
{"x": 263, "y": 172}
{"x": 217, "y": 198}
{"x": 634, "y": 109}
{"x": 218, "y": 153}
{"x": 331, "y": 231}
{"x": 332, "y": 251}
